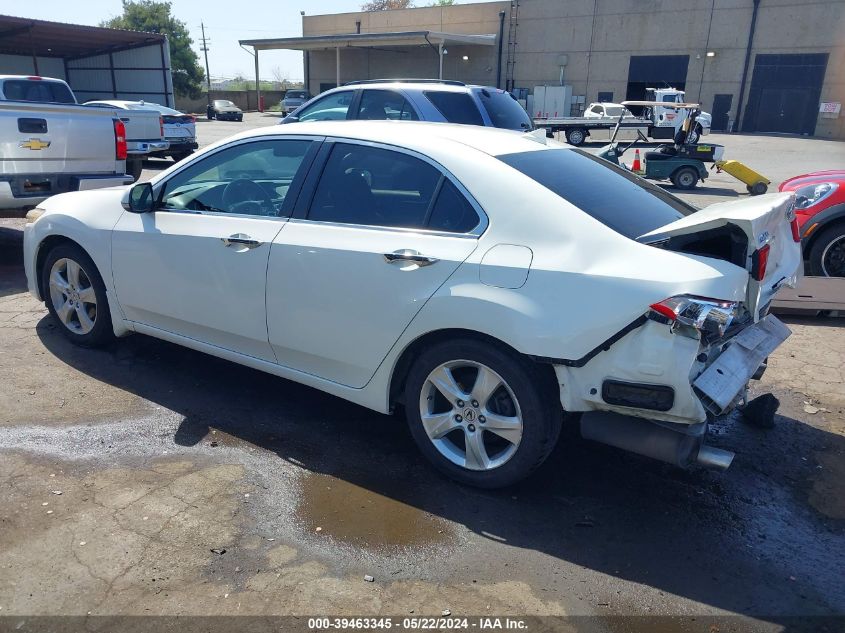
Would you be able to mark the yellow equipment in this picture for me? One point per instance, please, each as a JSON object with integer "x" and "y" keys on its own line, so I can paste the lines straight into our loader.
{"x": 757, "y": 184}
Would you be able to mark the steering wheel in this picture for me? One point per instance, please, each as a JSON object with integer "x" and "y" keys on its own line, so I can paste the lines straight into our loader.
{"x": 247, "y": 197}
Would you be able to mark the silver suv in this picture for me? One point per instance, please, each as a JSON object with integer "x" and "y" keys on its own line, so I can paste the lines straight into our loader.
{"x": 416, "y": 100}
{"x": 293, "y": 99}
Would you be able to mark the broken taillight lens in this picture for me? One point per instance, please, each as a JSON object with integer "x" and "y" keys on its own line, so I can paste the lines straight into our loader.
{"x": 709, "y": 316}
{"x": 796, "y": 231}
{"x": 759, "y": 261}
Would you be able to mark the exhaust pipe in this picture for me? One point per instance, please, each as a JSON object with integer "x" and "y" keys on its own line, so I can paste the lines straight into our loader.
{"x": 678, "y": 444}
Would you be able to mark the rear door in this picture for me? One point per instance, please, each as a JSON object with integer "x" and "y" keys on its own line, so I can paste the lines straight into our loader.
{"x": 375, "y": 233}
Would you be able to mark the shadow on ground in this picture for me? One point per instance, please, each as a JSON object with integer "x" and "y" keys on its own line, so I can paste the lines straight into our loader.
{"x": 746, "y": 541}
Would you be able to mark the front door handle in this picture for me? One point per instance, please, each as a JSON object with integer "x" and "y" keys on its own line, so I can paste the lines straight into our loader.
{"x": 240, "y": 239}
{"x": 408, "y": 255}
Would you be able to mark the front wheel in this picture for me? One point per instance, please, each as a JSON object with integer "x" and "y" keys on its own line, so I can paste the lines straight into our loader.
{"x": 76, "y": 296}
{"x": 694, "y": 135}
{"x": 576, "y": 137}
{"x": 685, "y": 178}
{"x": 481, "y": 415}
{"x": 827, "y": 255}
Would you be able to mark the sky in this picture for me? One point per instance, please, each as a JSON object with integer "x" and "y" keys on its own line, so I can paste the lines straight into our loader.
{"x": 225, "y": 24}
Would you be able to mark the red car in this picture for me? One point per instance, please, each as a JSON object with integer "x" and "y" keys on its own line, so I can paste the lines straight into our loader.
{"x": 820, "y": 207}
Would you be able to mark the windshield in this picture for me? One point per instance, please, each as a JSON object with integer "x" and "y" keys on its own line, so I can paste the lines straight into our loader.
{"x": 220, "y": 103}
{"x": 615, "y": 110}
{"x": 154, "y": 106}
{"x": 294, "y": 94}
{"x": 504, "y": 111}
{"x": 612, "y": 195}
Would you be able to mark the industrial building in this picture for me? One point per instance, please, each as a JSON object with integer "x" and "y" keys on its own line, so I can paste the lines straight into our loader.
{"x": 97, "y": 63}
{"x": 756, "y": 65}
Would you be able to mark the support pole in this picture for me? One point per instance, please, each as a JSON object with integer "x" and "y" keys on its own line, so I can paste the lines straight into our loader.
{"x": 257, "y": 83}
{"x": 337, "y": 65}
{"x": 440, "y": 52}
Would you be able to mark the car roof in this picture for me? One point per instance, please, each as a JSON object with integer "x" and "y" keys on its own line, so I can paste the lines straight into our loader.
{"x": 412, "y": 85}
{"x": 430, "y": 138}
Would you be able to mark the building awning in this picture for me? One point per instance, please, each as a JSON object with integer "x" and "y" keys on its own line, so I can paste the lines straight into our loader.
{"x": 370, "y": 40}
{"x": 24, "y": 36}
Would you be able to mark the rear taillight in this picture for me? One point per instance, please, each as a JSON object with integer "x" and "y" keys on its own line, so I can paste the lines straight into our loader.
{"x": 709, "y": 316}
{"x": 759, "y": 261}
{"x": 796, "y": 232}
{"x": 161, "y": 127}
{"x": 119, "y": 140}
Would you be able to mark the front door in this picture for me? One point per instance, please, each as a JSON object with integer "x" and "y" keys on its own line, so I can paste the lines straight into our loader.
{"x": 197, "y": 265}
{"x": 383, "y": 231}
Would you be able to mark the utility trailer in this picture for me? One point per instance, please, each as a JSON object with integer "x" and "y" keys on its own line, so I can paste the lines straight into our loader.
{"x": 659, "y": 122}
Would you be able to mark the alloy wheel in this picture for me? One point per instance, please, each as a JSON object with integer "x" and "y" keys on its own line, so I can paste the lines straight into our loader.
{"x": 471, "y": 415}
{"x": 833, "y": 258}
{"x": 72, "y": 295}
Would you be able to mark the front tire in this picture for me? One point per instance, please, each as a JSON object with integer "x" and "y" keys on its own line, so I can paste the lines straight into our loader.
{"x": 685, "y": 178}
{"x": 576, "y": 137}
{"x": 827, "y": 255}
{"x": 481, "y": 415}
{"x": 76, "y": 296}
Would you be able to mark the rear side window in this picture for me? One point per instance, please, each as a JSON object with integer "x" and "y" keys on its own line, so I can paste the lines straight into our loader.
{"x": 332, "y": 107}
{"x": 38, "y": 91}
{"x": 456, "y": 107}
{"x": 615, "y": 197}
{"x": 452, "y": 212}
{"x": 504, "y": 111}
{"x": 380, "y": 105}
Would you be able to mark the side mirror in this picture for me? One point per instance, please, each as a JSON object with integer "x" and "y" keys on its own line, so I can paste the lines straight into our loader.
{"x": 140, "y": 199}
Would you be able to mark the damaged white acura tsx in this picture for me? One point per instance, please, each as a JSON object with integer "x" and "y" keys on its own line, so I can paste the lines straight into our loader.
{"x": 482, "y": 280}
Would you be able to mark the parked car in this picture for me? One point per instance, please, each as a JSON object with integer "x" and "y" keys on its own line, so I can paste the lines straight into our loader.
{"x": 481, "y": 279}
{"x": 144, "y": 131}
{"x": 820, "y": 207}
{"x": 180, "y": 130}
{"x": 49, "y": 144}
{"x": 293, "y": 99}
{"x": 416, "y": 100}
{"x": 604, "y": 110}
{"x": 224, "y": 110}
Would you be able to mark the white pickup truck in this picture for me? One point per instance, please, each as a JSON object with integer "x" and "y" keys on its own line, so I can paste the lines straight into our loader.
{"x": 598, "y": 122}
{"x": 50, "y": 145}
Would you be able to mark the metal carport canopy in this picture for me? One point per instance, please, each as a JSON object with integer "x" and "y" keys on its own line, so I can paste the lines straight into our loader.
{"x": 370, "y": 40}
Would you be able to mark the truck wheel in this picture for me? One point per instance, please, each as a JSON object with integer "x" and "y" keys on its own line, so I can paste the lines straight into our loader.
{"x": 576, "y": 137}
{"x": 179, "y": 156}
{"x": 827, "y": 255}
{"x": 694, "y": 135}
{"x": 482, "y": 415}
{"x": 134, "y": 167}
{"x": 685, "y": 178}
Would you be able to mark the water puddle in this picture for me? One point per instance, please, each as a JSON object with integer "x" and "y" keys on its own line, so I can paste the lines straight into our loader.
{"x": 358, "y": 516}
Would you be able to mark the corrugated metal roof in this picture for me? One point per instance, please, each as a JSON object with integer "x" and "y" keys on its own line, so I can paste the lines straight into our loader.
{"x": 400, "y": 38}
{"x": 24, "y": 36}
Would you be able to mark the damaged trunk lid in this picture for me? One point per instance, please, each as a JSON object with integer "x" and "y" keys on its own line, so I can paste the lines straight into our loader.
{"x": 758, "y": 234}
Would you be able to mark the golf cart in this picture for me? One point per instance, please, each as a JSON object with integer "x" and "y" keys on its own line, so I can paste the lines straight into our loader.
{"x": 682, "y": 163}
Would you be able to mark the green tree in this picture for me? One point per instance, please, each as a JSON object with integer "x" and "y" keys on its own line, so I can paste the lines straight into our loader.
{"x": 442, "y": 3}
{"x": 155, "y": 17}
{"x": 385, "y": 5}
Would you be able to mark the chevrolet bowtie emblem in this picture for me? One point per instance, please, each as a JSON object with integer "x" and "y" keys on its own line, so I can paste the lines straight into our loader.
{"x": 34, "y": 143}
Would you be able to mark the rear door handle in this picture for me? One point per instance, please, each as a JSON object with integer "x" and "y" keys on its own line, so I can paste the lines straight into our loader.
{"x": 409, "y": 255}
{"x": 240, "y": 239}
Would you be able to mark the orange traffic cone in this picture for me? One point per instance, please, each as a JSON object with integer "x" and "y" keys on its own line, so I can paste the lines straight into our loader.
{"x": 637, "y": 166}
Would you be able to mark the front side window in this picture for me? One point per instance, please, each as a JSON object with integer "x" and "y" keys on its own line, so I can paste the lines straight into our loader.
{"x": 612, "y": 195}
{"x": 247, "y": 179}
{"x": 379, "y": 105}
{"x": 504, "y": 111}
{"x": 456, "y": 107}
{"x": 374, "y": 186}
{"x": 332, "y": 107}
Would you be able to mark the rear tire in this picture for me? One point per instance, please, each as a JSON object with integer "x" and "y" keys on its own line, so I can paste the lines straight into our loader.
{"x": 827, "y": 254}
{"x": 180, "y": 156}
{"x": 685, "y": 178}
{"x": 134, "y": 167}
{"x": 76, "y": 296}
{"x": 496, "y": 424}
{"x": 576, "y": 137}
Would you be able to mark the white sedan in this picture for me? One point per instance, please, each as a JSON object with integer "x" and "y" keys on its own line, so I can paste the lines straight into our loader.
{"x": 480, "y": 278}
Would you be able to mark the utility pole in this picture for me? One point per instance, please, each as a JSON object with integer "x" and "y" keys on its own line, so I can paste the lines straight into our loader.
{"x": 204, "y": 49}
